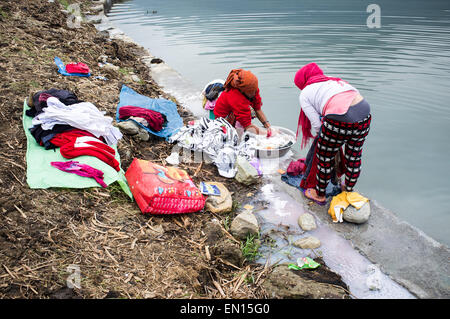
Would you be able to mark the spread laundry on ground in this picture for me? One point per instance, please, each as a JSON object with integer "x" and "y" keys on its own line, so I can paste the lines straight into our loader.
{"x": 84, "y": 116}
{"x": 219, "y": 140}
{"x": 80, "y": 169}
{"x": 41, "y": 174}
{"x": 153, "y": 120}
{"x": 62, "y": 69}
{"x": 340, "y": 202}
{"x": 168, "y": 110}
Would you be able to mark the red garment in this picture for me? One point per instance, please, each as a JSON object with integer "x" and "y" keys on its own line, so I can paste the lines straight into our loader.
{"x": 91, "y": 147}
{"x": 77, "y": 68}
{"x": 233, "y": 102}
{"x": 154, "y": 119}
{"x": 308, "y": 74}
{"x": 61, "y": 139}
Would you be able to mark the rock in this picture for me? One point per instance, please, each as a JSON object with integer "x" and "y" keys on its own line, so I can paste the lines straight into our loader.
{"x": 246, "y": 173}
{"x": 357, "y": 216}
{"x": 306, "y": 222}
{"x": 109, "y": 66}
{"x": 129, "y": 127}
{"x": 244, "y": 224}
{"x": 219, "y": 204}
{"x": 135, "y": 78}
{"x": 143, "y": 135}
{"x": 287, "y": 284}
{"x": 307, "y": 242}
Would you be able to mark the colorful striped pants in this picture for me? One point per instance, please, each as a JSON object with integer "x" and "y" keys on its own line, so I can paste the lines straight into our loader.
{"x": 333, "y": 135}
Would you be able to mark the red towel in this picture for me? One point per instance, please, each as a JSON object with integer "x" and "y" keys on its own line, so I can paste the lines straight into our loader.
{"x": 91, "y": 147}
{"x": 154, "y": 119}
{"x": 77, "y": 68}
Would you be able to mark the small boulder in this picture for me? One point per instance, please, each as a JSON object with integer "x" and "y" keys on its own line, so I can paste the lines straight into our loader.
{"x": 357, "y": 216}
{"x": 307, "y": 242}
{"x": 244, "y": 224}
{"x": 129, "y": 127}
{"x": 246, "y": 173}
{"x": 306, "y": 222}
{"x": 219, "y": 204}
{"x": 143, "y": 135}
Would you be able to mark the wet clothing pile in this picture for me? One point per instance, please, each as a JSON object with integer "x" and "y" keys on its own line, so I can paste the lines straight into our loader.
{"x": 78, "y": 128}
{"x": 219, "y": 140}
{"x": 211, "y": 93}
{"x": 152, "y": 119}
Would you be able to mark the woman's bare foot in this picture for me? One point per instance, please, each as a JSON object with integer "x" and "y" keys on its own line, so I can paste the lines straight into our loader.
{"x": 311, "y": 193}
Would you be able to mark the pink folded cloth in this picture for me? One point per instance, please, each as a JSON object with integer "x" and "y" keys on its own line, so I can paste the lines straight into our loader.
{"x": 77, "y": 68}
{"x": 84, "y": 170}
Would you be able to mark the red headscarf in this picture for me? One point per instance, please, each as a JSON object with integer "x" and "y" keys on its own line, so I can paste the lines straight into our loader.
{"x": 308, "y": 74}
{"x": 243, "y": 80}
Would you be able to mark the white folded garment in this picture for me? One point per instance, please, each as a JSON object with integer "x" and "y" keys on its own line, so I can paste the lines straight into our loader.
{"x": 83, "y": 116}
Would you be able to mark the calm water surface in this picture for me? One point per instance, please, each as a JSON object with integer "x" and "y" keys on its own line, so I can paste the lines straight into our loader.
{"x": 401, "y": 68}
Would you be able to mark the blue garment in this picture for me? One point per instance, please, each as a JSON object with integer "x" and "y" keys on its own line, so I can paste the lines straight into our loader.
{"x": 62, "y": 69}
{"x": 331, "y": 190}
{"x": 168, "y": 108}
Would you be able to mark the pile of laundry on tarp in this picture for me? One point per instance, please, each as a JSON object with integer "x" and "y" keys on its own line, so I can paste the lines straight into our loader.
{"x": 219, "y": 140}
{"x": 58, "y": 119}
{"x": 155, "y": 116}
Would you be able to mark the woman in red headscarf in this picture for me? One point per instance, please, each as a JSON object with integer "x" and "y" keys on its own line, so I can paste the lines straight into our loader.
{"x": 241, "y": 94}
{"x": 337, "y": 112}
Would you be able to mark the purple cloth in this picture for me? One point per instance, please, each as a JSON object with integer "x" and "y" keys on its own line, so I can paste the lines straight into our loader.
{"x": 81, "y": 170}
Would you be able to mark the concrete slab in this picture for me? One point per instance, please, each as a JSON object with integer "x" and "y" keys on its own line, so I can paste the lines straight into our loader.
{"x": 404, "y": 253}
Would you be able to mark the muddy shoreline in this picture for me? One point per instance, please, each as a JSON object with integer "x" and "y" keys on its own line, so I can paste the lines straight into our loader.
{"x": 120, "y": 252}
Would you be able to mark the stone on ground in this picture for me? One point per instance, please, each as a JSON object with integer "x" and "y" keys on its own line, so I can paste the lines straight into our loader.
{"x": 306, "y": 222}
{"x": 219, "y": 204}
{"x": 246, "y": 173}
{"x": 244, "y": 224}
{"x": 307, "y": 242}
{"x": 357, "y": 216}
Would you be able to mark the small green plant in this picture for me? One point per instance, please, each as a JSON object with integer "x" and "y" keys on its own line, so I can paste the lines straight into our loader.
{"x": 250, "y": 247}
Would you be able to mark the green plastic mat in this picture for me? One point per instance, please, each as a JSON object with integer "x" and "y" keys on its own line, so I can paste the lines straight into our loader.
{"x": 40, "y": 174}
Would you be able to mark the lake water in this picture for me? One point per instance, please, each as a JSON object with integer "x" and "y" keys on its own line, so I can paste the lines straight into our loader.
{"x": 401, "y": 68}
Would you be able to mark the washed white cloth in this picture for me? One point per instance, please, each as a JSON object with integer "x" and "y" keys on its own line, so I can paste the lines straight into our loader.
{"x": 83, "y": 116}
{"x": 314, "y": 97}
{"x": 219, "y": 140}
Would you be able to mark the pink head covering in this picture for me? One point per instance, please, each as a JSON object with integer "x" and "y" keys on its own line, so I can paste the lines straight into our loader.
{"x": 308, "y": 74}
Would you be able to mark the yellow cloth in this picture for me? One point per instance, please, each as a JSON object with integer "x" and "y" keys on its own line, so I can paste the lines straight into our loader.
{"x": 340, "y": 202}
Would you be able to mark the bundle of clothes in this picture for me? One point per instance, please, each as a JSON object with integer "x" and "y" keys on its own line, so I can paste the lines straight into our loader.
{"x": 72, "y": 68}
{"x": 211, "y": 93}
{"x": 219, "y": 140}
{"x": 149, "y": 118}
{"x": 77, "y": 128}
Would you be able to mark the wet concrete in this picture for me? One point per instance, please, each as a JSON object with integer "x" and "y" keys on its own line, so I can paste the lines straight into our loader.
{"x": 403, "y": 252}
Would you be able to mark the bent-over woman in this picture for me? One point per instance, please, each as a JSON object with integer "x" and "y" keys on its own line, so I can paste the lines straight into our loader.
{"x": 341, "y": 116}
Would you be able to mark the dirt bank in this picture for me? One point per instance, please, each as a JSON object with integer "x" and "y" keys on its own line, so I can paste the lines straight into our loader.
{"x": 119, "y": 251}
